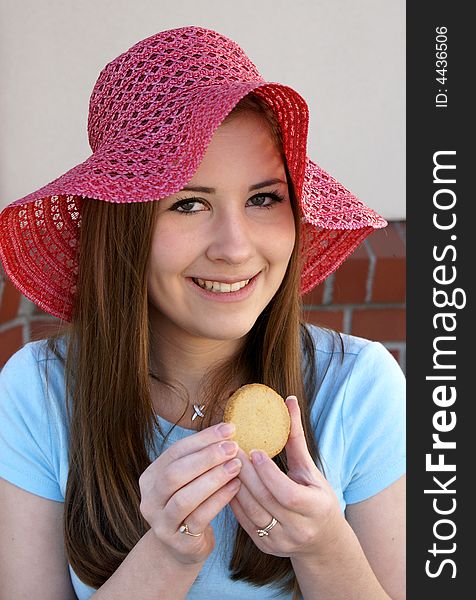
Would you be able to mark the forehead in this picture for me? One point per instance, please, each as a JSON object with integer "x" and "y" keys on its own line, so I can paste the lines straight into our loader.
{"x": 242, "y": 147}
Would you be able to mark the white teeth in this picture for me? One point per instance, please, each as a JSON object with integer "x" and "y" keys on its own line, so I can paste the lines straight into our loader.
{"x": 218, "y": 286}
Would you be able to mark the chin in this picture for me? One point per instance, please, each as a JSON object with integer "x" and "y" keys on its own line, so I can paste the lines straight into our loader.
{"x": 230, "y": 330}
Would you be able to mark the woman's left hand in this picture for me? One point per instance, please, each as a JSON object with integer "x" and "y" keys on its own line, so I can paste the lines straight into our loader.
{"x": 304, "y": 504}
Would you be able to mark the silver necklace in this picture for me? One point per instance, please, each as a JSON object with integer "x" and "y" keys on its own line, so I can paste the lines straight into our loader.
{"x": 197, "y": 408}
{"x": 198, "y": 411}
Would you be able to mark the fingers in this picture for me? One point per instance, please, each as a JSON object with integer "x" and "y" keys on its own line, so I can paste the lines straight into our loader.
{"x": 256, "y": 514}
{"x": 297, "y": 453}
{"x": 184, "y": 470}
{"x": 296, "y": 446}
{"x": 263, "y": 495}
{"x": 276, "y": 484}
{"x": 271, "y": 543}
{"x": 199, "y": 500}
{"x": 162, "y": 478}
{"x": 196, "y": 442}
{"x": 195, "y": 461}
{"x": 200, "y": 518}
{"x": 245, "y": 520}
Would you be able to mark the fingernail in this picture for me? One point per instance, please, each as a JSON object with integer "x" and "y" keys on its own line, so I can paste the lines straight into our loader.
{"x": 289, "y": 398}
{"x": 233, "y": 466}
{"x": 226, "y": 429}
{"x": 229, "y": 448}
{"x": 257, "y": 457}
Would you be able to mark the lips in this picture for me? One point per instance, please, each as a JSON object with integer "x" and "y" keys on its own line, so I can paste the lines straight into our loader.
{"x": 221, "y": 295}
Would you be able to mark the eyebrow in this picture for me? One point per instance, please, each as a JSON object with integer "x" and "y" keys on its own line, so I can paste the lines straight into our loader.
{"x": 256, "y": 186}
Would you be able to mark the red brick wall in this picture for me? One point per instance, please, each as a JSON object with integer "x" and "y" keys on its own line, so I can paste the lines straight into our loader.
{"x": 365, "y": 297}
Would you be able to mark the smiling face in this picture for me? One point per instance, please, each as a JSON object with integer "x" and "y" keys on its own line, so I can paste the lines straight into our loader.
{"x": 221, "y": 246}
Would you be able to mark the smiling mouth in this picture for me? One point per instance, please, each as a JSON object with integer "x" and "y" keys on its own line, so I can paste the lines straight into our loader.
{"x": 220, "y": 287}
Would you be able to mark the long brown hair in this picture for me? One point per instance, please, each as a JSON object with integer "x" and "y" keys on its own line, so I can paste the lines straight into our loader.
{"x": 113, "y": 427}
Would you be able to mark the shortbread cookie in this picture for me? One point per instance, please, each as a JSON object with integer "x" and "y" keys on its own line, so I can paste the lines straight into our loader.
{"x": 261, "y": 418}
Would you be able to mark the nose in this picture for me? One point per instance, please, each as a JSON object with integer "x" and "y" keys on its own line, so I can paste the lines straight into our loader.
{"x": 231, "y": 238}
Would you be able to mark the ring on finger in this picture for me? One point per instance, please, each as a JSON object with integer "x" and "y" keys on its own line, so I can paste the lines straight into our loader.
{"x": 267, "y": 529}
{"x": 184, "y": 529}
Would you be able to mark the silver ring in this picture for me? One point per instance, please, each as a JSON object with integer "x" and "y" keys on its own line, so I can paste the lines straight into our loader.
{"x": 263, "y": 532}
{"x": 184, "y": 529}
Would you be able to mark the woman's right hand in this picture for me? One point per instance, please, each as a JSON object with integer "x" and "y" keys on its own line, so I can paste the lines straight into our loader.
{"x": 190, "y": 483}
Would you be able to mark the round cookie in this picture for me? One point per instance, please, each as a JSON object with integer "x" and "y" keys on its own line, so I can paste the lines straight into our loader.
{"x": 261, "y": 418}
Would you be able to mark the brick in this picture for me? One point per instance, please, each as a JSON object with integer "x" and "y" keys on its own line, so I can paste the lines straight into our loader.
{"x": 10, "y": 302}
{"x": 43, "y": 328}
{"x": 11, "y": 340}
{"x": 350, "y": 281}
{"x": 389, "y": 284}
{"x": 314, "y": 296}
{"x": 380, "y": 324}
{"x": 333, "y": 319}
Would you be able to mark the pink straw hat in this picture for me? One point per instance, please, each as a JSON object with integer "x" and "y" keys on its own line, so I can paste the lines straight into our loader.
{"x": 152, "y": 114}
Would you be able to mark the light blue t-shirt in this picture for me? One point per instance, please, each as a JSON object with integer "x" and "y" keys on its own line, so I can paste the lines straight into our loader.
{"x": 358, "y": 417}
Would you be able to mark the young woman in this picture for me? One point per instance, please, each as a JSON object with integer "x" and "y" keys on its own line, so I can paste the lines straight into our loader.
{"x": 176, "y": 256}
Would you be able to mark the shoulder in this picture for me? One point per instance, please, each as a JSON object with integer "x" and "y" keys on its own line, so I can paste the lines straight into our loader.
{"x": 33, "y": 423}
{"x": 347, "y": 357}
{"x": 359, "y": 412}
{"x": 31, "y": 355}
{"x": 23, "y": 366}
{"x": 32, "y": 385}
{"x": 31, "y": 375}
{"x": 355, "y": 375}
{"x": 29, "y": 366}
{"x": 33, "y": 380}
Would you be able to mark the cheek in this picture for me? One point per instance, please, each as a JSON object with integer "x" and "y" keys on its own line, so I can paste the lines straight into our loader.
{"x": 164, "y": 263}
{"x": 284, "y": 238}
{"x": 171, "y": 253}
{"x": 291, "y": 237}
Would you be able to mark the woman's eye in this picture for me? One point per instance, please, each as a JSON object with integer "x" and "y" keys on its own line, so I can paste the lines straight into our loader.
{"x": 188, "y": 206}
{"x": 265, "y": 200}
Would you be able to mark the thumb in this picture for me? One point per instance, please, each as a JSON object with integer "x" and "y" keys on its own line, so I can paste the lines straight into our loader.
{"x": 297, "y": 453}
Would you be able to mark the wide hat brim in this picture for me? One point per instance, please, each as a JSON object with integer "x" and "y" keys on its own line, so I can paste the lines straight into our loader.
{"x": 39, "y": 233}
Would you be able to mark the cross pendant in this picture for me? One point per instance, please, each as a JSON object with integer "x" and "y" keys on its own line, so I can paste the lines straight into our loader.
{"x": 198, "y": 411}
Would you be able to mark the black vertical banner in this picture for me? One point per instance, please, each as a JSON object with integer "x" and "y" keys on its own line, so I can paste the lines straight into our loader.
{"x": 441, "y": 268}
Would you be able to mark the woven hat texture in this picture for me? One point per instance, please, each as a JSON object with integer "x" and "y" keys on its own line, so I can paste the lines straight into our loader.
{"x": 152, "y": 114}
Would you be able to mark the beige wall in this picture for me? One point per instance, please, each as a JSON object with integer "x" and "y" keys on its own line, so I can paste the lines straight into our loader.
{"x": 346, "y": 57}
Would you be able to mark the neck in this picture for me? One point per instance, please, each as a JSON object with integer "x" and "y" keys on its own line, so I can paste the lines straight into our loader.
{"x": 179, "y": 357}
